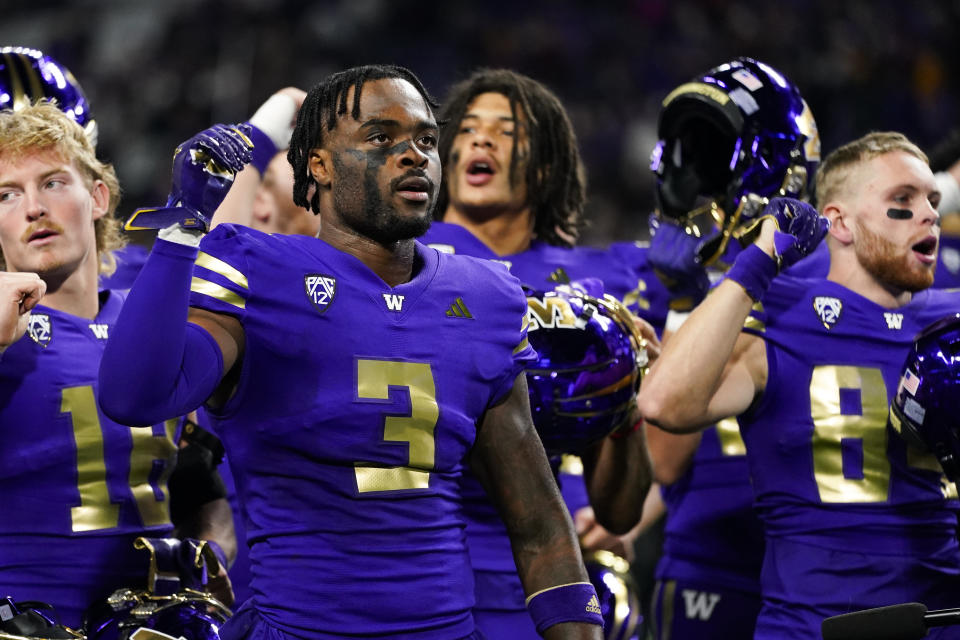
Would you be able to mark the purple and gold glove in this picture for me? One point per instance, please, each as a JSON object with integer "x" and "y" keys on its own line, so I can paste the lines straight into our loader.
{"x": 674, "y": 255}
{"x": 203, "y": 171}
{"x": 800, "y": 228}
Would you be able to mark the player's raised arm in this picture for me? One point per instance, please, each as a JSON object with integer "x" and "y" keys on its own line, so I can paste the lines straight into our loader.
{"x": 156, "y": 364}
{"x": 270, "y": 129}
{"x": 708, "y": 371}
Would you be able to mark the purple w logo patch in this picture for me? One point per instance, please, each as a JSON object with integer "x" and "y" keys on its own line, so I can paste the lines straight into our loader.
{"x": 320, "y": 290}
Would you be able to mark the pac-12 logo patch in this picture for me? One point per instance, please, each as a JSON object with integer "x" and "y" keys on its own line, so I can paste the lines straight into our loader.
{"x": 40, "y": 329}
{"x": 828, "y": 308}
{"x": 321, "y": 290}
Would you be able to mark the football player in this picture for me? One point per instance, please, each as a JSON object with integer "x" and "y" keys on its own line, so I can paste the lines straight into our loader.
{"x": 349, "y": 399}
{"x": 853, "y": 519}
{"x": 79, "y": 487}
{"x": 729, "y": 138}
{"x": 514, "y": 190}
{"x": 28, "y": 76}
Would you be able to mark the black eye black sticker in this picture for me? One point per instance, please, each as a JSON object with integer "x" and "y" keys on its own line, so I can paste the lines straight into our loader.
{"x": 899, "y": 214}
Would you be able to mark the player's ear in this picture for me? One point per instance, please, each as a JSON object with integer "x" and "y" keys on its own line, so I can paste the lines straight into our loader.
{"x": 321, "y": 166}
{"x": 100, "y": 193}
{"x": 840, "y": 221}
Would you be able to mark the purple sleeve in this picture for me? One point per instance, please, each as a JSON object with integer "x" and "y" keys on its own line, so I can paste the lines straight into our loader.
{"x": 156, "y": 365}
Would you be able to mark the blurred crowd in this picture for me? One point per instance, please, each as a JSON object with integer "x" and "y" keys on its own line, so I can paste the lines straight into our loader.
{"x": 157, "y": 71}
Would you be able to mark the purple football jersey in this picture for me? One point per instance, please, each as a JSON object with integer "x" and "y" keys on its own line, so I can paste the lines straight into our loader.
{"x": 77, "y": 487}
{"x": 356, "y": 405}
{"x": 712, "y": 535}
{"x": 542, "y": 267}
{"x": 827, "y": 472}
{"x": 947, "y": 275}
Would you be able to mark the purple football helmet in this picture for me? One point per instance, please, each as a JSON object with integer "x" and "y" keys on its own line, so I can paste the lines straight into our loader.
{"x": 618, "y": 595}
{"x": 591, "y": 358}
{"x": 174, "y": 603}
{"x": 926, "y": 409}
{"x": 27, "y": 75}
{"x": 129, "y": 614}
{"x": 25, "y": 620}
{"x": 730, "y": 139}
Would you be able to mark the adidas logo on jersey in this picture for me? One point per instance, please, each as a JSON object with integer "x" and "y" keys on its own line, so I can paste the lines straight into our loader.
{"x": 458, "y": 310}
{"x": 100, "y": 331}
{"x": 394, "y": 302}
{"x": 593, "y": 606}
{"x": 894, "y": 320}
{"x": 559, "y": 275}
{"x": 828, "y": 309}
{"x": 40, "y": 329}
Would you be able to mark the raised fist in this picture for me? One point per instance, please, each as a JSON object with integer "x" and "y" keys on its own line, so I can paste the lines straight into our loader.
{"x": 203, "y": 171}
{"x": 800, "y": 228}
{"x": 674, "y": 255}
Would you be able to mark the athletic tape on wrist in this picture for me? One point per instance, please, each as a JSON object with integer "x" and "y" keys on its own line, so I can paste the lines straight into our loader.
{"x": 263, "y": 149}
{"x": 753, "y": 270}
{"x": 275, "y": 118}
{"x": 575, "y": 602}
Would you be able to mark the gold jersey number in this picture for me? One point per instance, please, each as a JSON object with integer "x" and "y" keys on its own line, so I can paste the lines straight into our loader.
{"x": 850, "y": 404}
{"x": 374, "y": 379}
{"x": 151, "y": 461}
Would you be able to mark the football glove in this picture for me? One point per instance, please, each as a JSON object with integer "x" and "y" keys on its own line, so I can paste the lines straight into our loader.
{"x": 675, "y": 256}
{"x": 204, "y": 168}
{"x": 800, "y": 228}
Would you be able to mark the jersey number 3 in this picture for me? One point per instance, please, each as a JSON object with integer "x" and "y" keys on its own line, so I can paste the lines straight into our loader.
{"x": 374, "y": 379}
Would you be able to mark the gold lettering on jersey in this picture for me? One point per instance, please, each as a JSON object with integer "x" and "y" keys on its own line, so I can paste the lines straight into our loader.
{"x": 731, "y": 442}
{"x": 217, "y": 265}
{"x": 831, "y": 427}
{"x": 217, "y": 292}
{"x": 374, "y": 379}
{"x": 151, "y": 463}
{"x": 95, "y": 510}
{"x": 550, "y": 312}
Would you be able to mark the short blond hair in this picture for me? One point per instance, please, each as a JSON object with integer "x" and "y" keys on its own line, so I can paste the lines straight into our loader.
{"x": 42, "y": 126}
{"x": 836, "y": 167}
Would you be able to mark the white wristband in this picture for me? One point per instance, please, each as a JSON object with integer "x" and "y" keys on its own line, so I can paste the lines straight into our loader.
{"x": 276, "y": 118}
{"x": 949, "y": 192}
{"x": 176, "y": 233}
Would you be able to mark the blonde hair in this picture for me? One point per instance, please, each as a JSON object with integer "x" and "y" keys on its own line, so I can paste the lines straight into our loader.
{"x": 42, "y": 126}
{"x": 837, "y": 166}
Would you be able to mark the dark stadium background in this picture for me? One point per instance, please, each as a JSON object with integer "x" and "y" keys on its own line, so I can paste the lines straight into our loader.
{"x": 156, "y": 71}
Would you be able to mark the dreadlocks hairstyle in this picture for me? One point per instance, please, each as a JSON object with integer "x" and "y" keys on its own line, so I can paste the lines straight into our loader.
{"x": 322, "y": 108}
{"x": 555, "y": 177}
